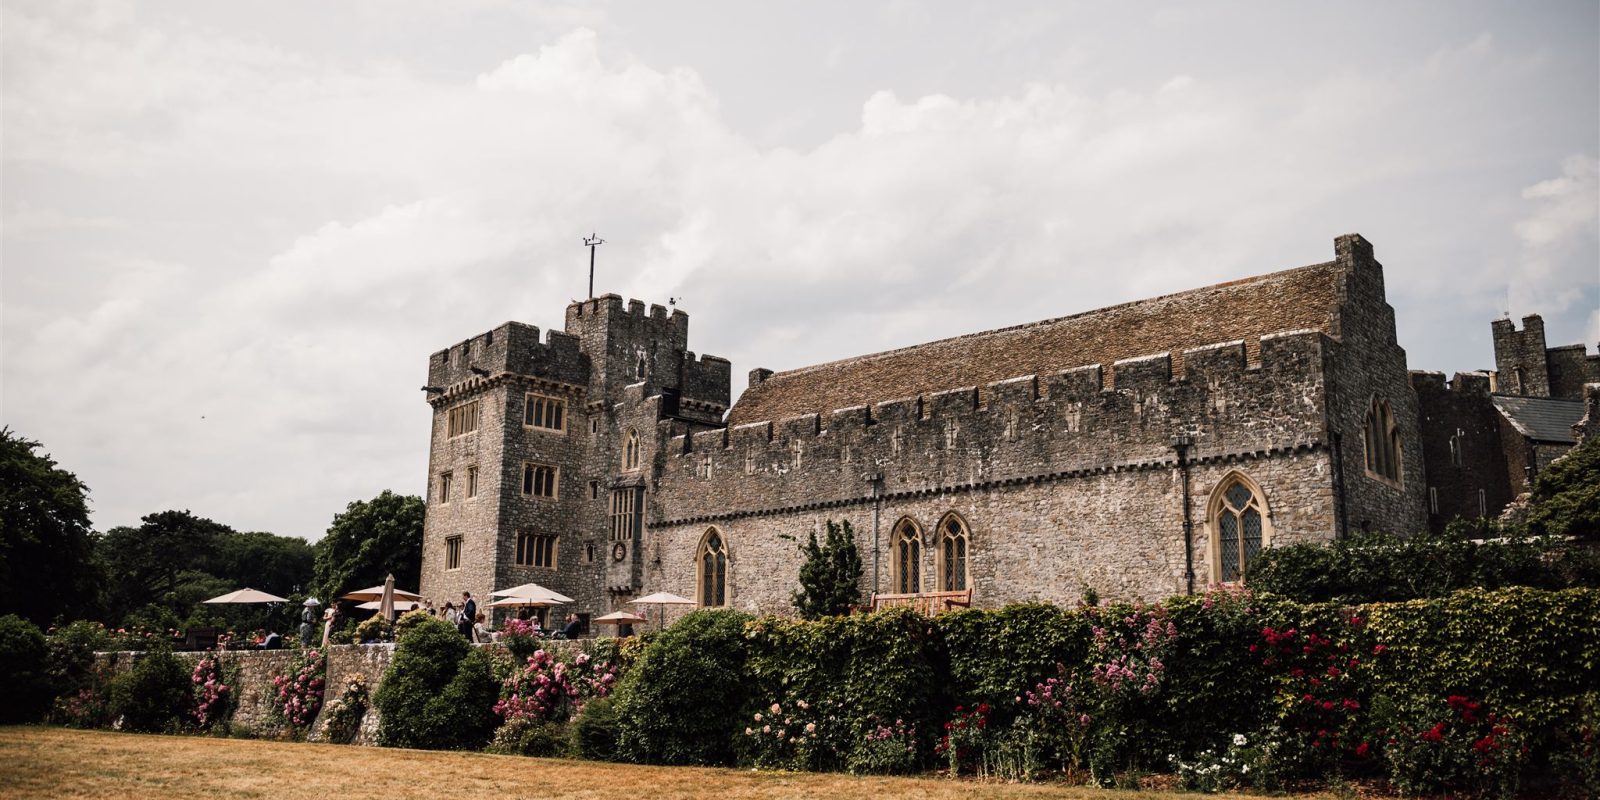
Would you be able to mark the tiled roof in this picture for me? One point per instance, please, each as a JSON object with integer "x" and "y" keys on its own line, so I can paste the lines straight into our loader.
{"x": 1541, "y": 419}
{"x": 1297, "y": 299}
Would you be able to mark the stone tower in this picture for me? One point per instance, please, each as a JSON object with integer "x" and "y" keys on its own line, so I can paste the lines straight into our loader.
{"x": 541, "y": 450}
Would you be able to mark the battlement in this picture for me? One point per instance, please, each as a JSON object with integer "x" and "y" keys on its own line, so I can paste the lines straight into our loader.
{"x": 1021, "y": 425}
{"x": 513, "y": 348}
{"x": 1463, "y": 383}
{"x": 611, "y": 307}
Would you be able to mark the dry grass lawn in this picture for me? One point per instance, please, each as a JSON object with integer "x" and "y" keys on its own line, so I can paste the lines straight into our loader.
{"x": 37, "y": 762}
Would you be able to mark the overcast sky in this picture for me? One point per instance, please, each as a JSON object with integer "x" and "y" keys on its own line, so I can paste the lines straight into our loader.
{"x": 233, "y": 232}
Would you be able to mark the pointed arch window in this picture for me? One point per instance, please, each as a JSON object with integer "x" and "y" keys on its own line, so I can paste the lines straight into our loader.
{"x": 1239, "y": 522}
{"x": 953, "y": 547}
{"x": 907, "y": 561}
{"x": 1382, "y": 437}
{"x": 630, "y": 450}
{"x": 712, "y": 569}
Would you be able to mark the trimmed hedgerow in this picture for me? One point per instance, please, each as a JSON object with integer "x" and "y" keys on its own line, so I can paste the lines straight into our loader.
{"x": 25, "y": 690}
{"x": 991, "y": 655}
{"x": 674, "y": 705}
{"x": 154, "y": 696}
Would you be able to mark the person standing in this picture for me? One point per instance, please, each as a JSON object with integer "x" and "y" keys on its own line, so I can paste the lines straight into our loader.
{"x": 450, "y": 614}
{"x": 469, "y": 614}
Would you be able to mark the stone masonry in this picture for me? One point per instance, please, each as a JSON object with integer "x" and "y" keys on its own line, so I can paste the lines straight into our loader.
{"x": 1070, "y": 452}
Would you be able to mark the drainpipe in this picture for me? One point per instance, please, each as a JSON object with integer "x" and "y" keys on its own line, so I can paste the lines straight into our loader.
{"x": 1181, "y": 443}
{"x": 875, "y": 478}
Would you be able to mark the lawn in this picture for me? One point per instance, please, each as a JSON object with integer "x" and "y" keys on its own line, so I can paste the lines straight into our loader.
{"x": 55, "y": 762}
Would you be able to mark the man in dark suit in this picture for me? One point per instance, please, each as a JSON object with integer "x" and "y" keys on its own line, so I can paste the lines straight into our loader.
{"x": 574, "y": 627}
{"x": 469, "y": 612}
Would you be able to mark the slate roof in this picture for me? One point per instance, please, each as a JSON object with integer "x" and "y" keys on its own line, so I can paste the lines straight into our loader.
{"x": 1304, "y": 298}
{"x": 1541, "y": 419}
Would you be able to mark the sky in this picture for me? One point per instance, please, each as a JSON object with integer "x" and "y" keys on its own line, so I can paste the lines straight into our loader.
{"x": 231, "y": 234}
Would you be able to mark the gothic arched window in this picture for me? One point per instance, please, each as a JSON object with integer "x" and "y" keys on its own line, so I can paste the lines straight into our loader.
{"x": 630, "y": 450}
{"x": 1382, "y": 438}
{"x": 712, "y": 569}
{"x": 907, "y": 561}
{"x": 953, "y": 546}
{"x": 1239, "y": 529}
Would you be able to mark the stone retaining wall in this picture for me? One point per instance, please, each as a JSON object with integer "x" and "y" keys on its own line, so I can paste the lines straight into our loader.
{"x": 345, "y": 662}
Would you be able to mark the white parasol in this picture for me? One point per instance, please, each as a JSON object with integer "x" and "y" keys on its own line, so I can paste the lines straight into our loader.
{"x": 533, "y": 591}
{"x": 248, "y": 596}
{"x": 663, "y": 599}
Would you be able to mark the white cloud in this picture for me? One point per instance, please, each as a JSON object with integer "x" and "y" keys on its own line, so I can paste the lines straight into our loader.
{"x": 294, "y": 235}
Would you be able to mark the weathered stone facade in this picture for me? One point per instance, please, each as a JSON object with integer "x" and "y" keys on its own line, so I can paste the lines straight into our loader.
{"x": 1070, "y": 452}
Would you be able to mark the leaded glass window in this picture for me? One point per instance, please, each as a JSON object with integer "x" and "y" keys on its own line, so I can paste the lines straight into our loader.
{"x": 908, "y": 558}
{"x": 953, "y": 545}
{"x": 713, "y": 568}
{"x": 1382, "y": 438}
{"x": 1239, "y": 531}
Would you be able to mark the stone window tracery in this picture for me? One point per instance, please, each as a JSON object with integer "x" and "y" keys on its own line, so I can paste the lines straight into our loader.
{"x": 907, "y": 559}
{"x": 712, "y": 569}
{"x": 1382, "y": 437}
{"x": 630, "y": 450}
{"x": 544, "y": 412}
{"x": 953, "y": 547}
{"x": 1239, "y": 527}
{"x": 536, "y": 550}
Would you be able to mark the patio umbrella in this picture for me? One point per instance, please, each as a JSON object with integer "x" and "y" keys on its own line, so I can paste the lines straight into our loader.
{"x": 386, "y": 601}
{"x": 531, "y": 602}
{"x": 376, "y": 593}
{"x": 533, "y": 591}
{"x": 400, "y": 605}
{"x": 663, "y": 599}
{"x": 248, "y": 596}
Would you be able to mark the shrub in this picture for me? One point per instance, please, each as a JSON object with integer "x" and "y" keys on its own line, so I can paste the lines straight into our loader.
{"x": 373, "y": 629}
{"x": 995, "y": 655}
{"x": 1566, "y": 496}
{"x": 524, "y": 736}
{"x": 673, "y": 705}
{"x": 297, "y": 693}
{"x": 845, "y": 676}
{"x": 215, "y": 691}
{"x": 830, "y": 577}
{"x": 345, "y": 712}
{"x": 438, "y": 692}
{"x": 594, "y": 731}
{"x": 24, "y": 680}
{"x": 521, "y": 638}
{"x": 153, "y": 696}
{"x": 1456, "y": 746}
{"x": 1382, "y": 567}
{"x": 546, "y": 689}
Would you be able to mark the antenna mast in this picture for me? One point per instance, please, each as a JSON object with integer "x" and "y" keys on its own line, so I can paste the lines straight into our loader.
{"x": 592, "y": 241}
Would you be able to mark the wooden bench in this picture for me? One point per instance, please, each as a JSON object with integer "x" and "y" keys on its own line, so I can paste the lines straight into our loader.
{"x": 929, "y": 603}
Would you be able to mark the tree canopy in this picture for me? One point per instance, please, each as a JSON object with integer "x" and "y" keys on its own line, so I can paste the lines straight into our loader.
{"x": 370, "y": 540}
{"x": 1565, "y": 499}
{"x": 46, "y": 569}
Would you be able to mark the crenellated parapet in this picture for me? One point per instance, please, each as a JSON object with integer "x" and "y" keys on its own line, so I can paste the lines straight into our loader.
{"x": 1021, "y": 428}
{"x": 511, "y": 350}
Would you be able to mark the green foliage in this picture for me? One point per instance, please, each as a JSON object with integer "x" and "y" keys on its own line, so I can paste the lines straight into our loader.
{"x": 1380, "y": 567}
{"x": 847, "y": 676}
{"x": 830, "y": 578}
{"x": 438, "y": 693}
{"x": 993, "y": 655}
{"x": 594, "y": 731}
{"x": 673, "y": 705}
{"x": 528, "y": 737}
{"x": 369, "y": 541}
{"x": 153, "y": 696}
{"x": 24, "y": 679}
{"x": 1565, "y": 499}
{"x": 1213, "y": 680}
{"x": 46, "y": 547}
{"x": 1526, "y": 654}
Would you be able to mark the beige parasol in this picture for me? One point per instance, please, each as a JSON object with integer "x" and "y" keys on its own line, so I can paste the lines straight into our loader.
{"x": 663, "y": 599}
{"x": 533, "y": 591}
{"x": 376, "y": 593}
{"x": 248, "y": 596}
{"x": 399, "y": 605}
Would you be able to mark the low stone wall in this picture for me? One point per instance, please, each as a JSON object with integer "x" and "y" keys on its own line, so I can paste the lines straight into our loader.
{"x": 345, "y": 662}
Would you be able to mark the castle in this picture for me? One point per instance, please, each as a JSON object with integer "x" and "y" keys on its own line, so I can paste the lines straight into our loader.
{"x": 1140, "y": 450}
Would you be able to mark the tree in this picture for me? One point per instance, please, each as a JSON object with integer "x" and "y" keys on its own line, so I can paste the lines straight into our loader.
{"x": 830, "y": 580}
{"x": 150, "y": 563}
{"x": 46, "y": 546}
{"x": 370, "y": 540}
{"x": 281, "y": 565}
{"x": 1566, "y": 496}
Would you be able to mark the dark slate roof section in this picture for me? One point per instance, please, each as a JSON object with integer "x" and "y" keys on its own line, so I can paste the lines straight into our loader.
{"x": 1541, "y": 418}
{"x": 1297, "y": 299}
